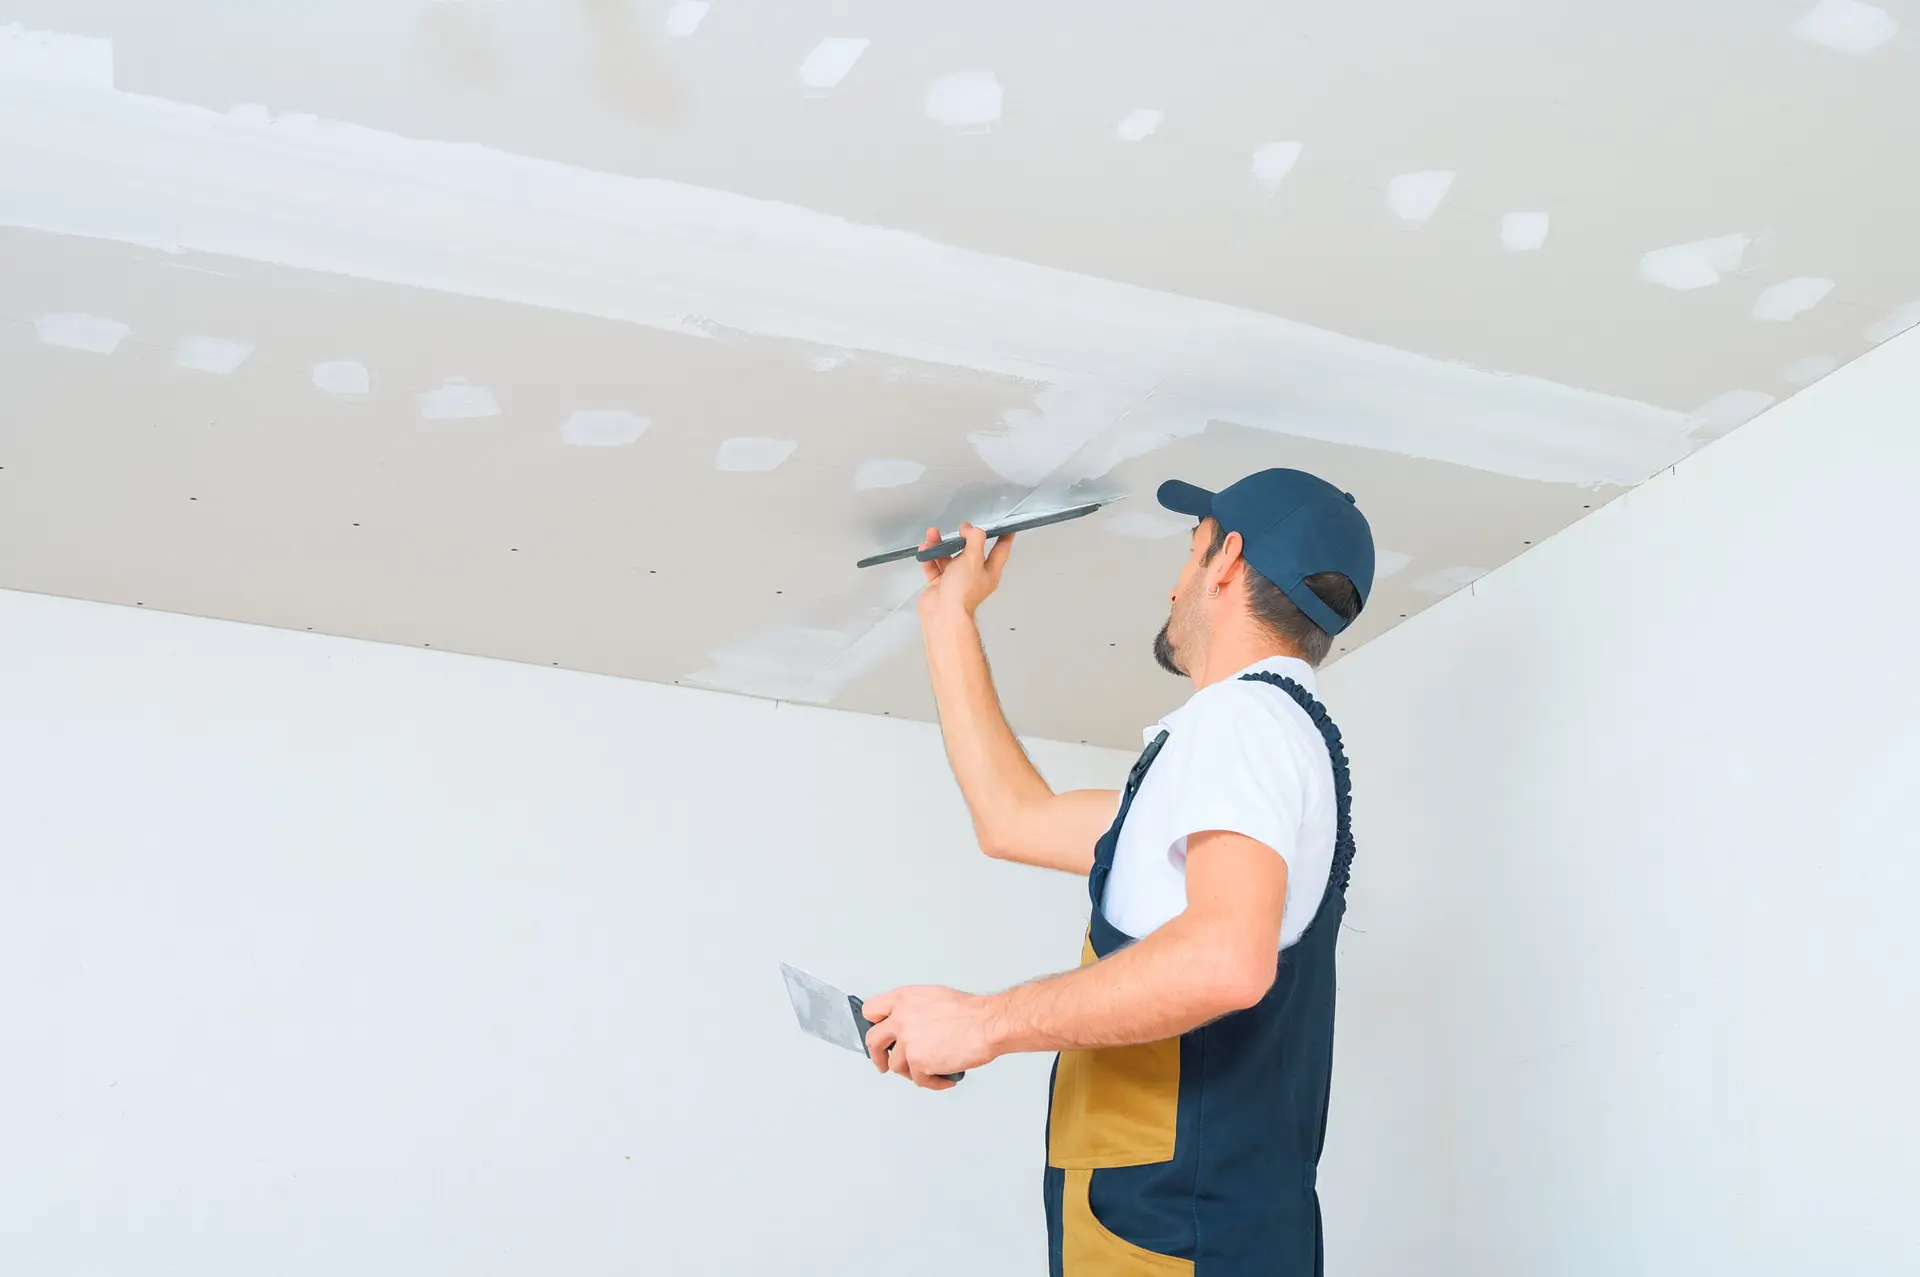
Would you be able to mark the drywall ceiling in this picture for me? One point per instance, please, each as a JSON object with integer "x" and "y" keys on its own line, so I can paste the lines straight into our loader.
{"x": 609, "y": 334}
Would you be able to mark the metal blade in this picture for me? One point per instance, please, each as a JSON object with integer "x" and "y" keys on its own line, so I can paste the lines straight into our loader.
{"x": 952, "y": 545}
{"x": 822, "y": 1010}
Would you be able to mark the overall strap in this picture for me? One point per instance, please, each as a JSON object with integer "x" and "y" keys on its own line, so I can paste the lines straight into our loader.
{"x": 1110, "y": 841}
{"x": 1342, "y": 780}
{"x": 1139, "y": 772}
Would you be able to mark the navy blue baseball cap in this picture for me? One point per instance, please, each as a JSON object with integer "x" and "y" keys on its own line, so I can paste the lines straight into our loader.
{"x": 1292, "y": 525}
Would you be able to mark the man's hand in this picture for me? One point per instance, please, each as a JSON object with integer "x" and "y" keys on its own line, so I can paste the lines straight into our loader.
{"x": 924, "y": 1032}
{"x": 962, "y": 583}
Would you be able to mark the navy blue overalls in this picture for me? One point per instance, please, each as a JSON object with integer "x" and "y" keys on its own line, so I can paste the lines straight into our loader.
{"x": 1197, "y": 1155}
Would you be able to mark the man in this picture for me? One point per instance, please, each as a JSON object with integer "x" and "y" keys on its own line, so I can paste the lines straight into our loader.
{"x": 1196, "y": 1040}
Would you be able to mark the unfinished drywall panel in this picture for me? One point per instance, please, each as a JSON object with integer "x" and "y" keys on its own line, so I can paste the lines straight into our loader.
{"x": 757, "y": 290}
{"x": 1630, "y": 981}
{"x": 325, "y": 956}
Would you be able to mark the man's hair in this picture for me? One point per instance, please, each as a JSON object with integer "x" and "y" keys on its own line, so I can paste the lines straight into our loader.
{"x": 1275, "y": 612}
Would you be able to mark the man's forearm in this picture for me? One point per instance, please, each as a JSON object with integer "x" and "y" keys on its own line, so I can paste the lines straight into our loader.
{"x": 994, "y": 773}
{"x": 1176, "y": 979}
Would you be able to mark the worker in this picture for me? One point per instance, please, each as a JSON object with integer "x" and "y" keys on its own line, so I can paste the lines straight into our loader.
{"x": 1189, "y": 1098}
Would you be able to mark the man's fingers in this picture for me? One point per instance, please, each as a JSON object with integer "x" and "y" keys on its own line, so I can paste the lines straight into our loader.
{"x": 933, "y": 567}
{"x": 1001, "y": 549}
{"x": 879, "y": 1007}
{"x": 879, "y": 1039}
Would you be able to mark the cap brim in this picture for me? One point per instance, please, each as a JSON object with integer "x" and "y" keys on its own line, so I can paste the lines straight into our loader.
{"x": 1185, "y": 498}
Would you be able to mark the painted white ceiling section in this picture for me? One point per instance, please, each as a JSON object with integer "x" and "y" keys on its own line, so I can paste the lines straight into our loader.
{"x": 805, "y": 279}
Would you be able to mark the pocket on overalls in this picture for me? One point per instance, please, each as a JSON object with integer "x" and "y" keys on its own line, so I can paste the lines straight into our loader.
{"x": 1112, "y": 1108}
{"x": 1115, "y": 1107}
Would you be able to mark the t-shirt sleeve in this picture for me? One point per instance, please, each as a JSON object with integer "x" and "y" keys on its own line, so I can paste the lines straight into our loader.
{"x": 1236, "y": 771}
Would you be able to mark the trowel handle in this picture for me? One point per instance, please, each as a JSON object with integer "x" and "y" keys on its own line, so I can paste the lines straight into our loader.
{"x": 941, "y": 549}
{"x": 861, "y": 1022}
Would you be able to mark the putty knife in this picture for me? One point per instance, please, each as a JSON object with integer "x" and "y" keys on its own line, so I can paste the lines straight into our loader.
{"x": 953, "y": 545}
{"x": 831, "y": 1015}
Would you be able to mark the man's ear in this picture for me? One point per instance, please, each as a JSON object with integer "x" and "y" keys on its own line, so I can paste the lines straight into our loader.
{"x": 1227, "y": 564}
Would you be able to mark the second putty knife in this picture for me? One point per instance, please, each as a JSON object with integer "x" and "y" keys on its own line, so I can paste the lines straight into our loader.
{"x": 830, "y": 1015}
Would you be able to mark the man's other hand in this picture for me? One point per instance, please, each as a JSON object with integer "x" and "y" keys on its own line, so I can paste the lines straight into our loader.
{"x": 925, "y": 1032}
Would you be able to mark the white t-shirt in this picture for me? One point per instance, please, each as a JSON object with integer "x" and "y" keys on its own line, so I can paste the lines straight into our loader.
{"x": 1241, "y": 757}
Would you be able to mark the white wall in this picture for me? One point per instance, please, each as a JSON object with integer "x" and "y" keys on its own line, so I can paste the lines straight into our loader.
{"x": 322, "y": 957}
{"x": 1633, "y": 978}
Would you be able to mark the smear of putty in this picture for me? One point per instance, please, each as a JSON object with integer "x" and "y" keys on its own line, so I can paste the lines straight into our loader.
{"x": 830, "y": 62}
{"x": 1893, "y": 324}
{"x": 342, "y": 377}
{"x": 968, "y": 101}
{"x": 1272, "y": 162}
{"x": 1847, "y": 25}
{"x": 1448, "y": 580}
{"x": 456, "y": 400}
{"x": 750, "y": 454}
{"x": 54, "y": 55}
{"x": 1694, "y": 265}
{"x": 887, "y": 474}
{"x": 1388, "y": 563}
{"x": 324, "y": 196}
{"x": 1414, "y": 197}
{"x": 1138, "y": 126}
{"x": 1523, "y": 232}
{"x": 1809, "y": 369}
{"x": 813, "y": 654}
{"x": 221, "y": 356}
{"x": 1732, "y": 408}
{"x": 76, "y": 331}
{"x": 602, "y": 428}
{"x": 685, "y": 17}
{"x": 1790, "y": 298}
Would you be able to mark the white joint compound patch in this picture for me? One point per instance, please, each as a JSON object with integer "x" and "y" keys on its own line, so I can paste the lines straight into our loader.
{"x": 319, "y": 195}
{"x": 1034, "y": 444}
{"x": 1847, "y": 25}
{"x": 1138, "y": 126}
{"x": 1695, "y": 265}
{"x": 968, "y": 101}
{"x": 685, "y": 17}
{"x": 221, "y": 356}
{"x": 1896, "y": 322}
{"x": 456, "y": 400}
{"x": 1388, "y": 563}
{"x": 887, "y": 474}
{"x": 1271, "y": 163}
{"x": 1448, "y": 580}
{"x": 1790, "y": 298}
{"x": 1414, "y": 197}
{"x": 1734, "y": 408}
{"x": 1523, "y": 232}
{"x": 75, "y": 331}
{"x": 811, "y": 657}
{"x": 830, "y": 62}
{"x": 342, "y": 377}
{"x": 52, "y": 55}
{"x": 744, "y": 455}
{"x": 1807, "y": 370}
{"x": 602, "y": 428}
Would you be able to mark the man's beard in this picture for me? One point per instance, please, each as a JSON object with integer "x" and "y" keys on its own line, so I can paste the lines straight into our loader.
{"x": 1163, "y": 651}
